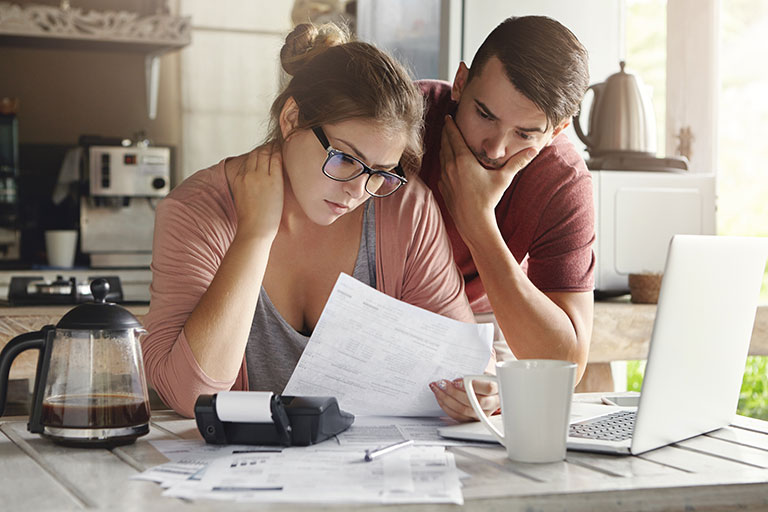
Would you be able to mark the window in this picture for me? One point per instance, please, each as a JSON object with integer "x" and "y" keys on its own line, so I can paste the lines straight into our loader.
{"x": 733, "y": 38}
{"x": 646, "y": 55}
{"x": 743, "y": 154}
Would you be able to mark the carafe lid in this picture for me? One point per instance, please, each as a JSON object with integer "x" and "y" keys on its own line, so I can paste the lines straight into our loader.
{"x": 99, "y": 314}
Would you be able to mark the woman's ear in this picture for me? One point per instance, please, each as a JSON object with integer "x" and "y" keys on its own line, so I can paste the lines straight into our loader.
{"x": 289, "y": 117}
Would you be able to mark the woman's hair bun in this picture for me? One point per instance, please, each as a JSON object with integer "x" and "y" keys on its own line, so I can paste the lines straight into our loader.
{"x": 306, "y": 41}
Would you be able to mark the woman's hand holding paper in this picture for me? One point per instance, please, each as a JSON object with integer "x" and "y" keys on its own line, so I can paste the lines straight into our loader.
{"x": 453, "y": 399}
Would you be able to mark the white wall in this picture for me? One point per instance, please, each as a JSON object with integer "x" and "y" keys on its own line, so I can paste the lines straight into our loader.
{"x": 229, "y": 76}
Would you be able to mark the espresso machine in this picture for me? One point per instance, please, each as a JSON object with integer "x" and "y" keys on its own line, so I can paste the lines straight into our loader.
{"x": 123, "y": 185}
{"x": 9, "y": 170}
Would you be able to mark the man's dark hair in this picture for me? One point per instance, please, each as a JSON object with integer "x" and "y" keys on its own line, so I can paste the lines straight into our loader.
{"x": 542, "y": 59}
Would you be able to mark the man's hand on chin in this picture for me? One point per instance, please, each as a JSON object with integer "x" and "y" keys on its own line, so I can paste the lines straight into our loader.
{"x": 471, "y": 192}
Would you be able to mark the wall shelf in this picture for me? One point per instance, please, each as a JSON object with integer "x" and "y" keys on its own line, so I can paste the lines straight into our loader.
{"x": 43, "y": 26}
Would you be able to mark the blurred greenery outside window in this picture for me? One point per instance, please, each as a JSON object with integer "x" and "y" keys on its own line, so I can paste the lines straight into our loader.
{"x": 742, "y": 177}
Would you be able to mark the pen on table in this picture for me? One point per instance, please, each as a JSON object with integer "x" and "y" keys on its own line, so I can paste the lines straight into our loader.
{"x": 374, "y": 454}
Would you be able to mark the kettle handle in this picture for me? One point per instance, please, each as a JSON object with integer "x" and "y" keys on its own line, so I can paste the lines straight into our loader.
{"x": 15, "y": 347}
{"x": 576, "y": 118}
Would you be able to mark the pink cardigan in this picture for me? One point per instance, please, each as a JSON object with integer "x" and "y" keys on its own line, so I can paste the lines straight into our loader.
{"x": 194, "y": 227}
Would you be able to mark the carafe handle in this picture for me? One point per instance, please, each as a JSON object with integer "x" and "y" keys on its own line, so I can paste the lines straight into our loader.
{"x": 15, "y": 347}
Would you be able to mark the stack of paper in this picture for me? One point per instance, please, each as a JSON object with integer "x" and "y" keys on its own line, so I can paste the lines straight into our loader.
{"x": 418, "y": 474}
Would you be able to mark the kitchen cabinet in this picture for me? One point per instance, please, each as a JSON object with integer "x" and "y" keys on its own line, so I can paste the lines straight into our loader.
{"x": 42, "y": 26}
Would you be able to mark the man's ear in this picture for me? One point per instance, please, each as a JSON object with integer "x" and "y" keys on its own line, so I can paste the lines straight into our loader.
{"x": 459, "y": 82}
{"x": 562, "y": 126}
{"x": 559, "y": 128}
{"x": 289, "y": 117}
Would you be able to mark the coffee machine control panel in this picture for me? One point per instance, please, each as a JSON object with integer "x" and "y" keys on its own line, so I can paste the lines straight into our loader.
{"x": 129, "y": 171}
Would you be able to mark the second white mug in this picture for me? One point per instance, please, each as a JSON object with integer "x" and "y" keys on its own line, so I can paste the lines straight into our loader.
{"x": 61, "y": 246}
{"x": 536, "y": 399}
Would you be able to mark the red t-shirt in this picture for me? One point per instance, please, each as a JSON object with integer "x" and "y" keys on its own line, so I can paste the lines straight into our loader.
{"x": 546, "y": 216}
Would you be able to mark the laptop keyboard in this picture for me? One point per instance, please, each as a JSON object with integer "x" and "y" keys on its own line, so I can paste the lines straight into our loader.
{"x": 616, "y": 426}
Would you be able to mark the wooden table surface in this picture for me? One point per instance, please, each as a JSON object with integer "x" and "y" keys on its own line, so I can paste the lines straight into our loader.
{"x": 724, "y": 470}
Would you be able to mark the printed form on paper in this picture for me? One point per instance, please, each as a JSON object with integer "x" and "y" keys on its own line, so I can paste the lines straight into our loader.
{"x": 377, "y": 355}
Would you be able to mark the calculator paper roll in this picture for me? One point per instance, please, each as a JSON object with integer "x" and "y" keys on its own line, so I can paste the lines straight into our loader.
{"x": 244, "y": 406}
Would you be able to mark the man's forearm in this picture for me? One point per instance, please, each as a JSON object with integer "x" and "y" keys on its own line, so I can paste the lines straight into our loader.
{"x": 534, "y": 326}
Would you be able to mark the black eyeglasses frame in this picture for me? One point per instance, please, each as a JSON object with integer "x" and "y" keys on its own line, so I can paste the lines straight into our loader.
{"x": 331, "y": 152}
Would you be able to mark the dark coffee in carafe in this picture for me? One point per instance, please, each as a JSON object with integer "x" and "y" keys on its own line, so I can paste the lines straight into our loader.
{"x": 95, "y": 411}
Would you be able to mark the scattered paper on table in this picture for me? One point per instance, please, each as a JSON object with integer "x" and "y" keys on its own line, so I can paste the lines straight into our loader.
{"x": 189, "y": 459}
{"x": 315, "y": 475}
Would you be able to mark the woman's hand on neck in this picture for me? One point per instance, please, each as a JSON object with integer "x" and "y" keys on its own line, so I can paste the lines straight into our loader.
{"x": 258, "y": 192}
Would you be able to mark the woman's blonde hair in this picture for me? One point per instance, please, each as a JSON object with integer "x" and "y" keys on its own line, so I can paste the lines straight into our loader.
{"x": 335, "y": 79}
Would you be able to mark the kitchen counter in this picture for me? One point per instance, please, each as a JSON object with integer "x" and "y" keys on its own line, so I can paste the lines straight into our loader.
{"x": 32, "y": 312}
{"x": 621, "y": 332}
{"x": 133, "y": 281}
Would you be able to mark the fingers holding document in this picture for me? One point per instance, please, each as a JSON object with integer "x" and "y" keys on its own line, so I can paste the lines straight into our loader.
{"x": 453, "y": 399}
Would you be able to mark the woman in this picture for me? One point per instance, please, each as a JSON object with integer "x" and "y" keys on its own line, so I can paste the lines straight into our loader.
{"x": 247, "y": 252}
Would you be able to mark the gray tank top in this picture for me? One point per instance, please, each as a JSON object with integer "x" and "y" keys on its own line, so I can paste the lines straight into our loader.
{"x": 274, "y": 347}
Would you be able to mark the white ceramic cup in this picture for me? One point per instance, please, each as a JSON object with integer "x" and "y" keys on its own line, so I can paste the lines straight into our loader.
{"x": 536, "y": 399}
{"x": 60, "y": 245}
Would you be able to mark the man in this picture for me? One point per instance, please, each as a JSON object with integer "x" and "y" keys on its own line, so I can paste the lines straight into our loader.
{"x": 514, "y": 192}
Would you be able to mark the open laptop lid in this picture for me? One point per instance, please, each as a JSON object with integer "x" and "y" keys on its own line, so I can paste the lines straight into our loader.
{"x": 701, "y": 335}
{"x": 698, "y": 348}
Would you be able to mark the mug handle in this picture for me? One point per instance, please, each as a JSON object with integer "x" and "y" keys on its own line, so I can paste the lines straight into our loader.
{"x": 468, "y": 379}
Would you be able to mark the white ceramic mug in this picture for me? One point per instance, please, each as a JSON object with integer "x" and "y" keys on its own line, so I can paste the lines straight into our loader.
{"x": 60, "y": 245}
{"x": 536, "y": 399}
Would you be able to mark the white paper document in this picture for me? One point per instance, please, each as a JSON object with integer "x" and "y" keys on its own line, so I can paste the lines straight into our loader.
{"x": 374, "y": 431}
{"x": 377, "y": 355}
{"x": 189, "y": 459}
{"x": 315, "y": 475}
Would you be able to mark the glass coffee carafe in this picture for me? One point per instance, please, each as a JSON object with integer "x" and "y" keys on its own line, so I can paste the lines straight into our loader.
{"x": 90, "y": 388}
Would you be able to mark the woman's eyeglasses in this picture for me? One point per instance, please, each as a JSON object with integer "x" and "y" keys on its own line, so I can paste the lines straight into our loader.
{"x": 340, "y": 166}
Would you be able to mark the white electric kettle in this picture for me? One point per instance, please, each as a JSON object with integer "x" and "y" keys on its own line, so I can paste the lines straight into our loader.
{"x": 621, "y": 119}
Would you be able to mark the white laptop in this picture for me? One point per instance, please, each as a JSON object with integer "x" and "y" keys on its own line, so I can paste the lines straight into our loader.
{"x": 698, "y": 349}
